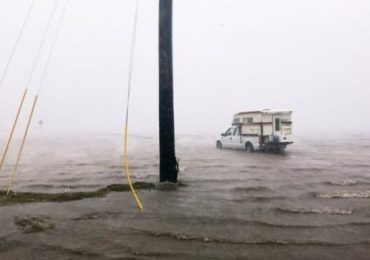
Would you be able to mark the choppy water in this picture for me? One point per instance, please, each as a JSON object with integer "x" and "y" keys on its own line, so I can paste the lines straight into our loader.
{"x": 311, "y": 202}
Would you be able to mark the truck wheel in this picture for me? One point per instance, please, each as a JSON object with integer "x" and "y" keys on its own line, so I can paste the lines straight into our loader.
{"x": 249, "y": 147}
{"x": 219, "y": 145}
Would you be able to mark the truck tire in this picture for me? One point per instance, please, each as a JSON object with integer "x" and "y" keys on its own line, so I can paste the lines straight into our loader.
{"x": 219, "y": 145}
{"x": 249, "y": 147}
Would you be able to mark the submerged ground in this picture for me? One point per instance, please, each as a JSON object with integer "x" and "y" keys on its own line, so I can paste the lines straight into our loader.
{"x": 311, "y": 202}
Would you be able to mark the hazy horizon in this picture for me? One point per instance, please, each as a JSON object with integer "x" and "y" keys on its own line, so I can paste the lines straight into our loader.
{"x": 229, "y": 56}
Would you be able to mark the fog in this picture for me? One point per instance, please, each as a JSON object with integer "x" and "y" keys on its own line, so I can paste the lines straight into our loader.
{"x": 229, "y": 56}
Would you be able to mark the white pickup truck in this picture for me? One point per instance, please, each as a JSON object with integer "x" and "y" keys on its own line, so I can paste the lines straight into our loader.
{"x": 264, "y": 130}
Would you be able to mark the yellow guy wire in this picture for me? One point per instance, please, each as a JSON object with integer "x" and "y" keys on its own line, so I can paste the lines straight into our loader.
{"x": 138, "y": 202}
{"x": 125, "y": 157}
{"x": 22, "y": 146}
{"x": 13, "y": 129}
{"x": 11, "y": 181}
{"x": 19, "y": 36}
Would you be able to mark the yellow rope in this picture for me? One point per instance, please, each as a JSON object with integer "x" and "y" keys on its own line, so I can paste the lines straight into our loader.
{"x": 138, "y": 202}
{"x": 13, "y": 129}
{"x": 131, "y": 63}
{"x": 11, "y": 181}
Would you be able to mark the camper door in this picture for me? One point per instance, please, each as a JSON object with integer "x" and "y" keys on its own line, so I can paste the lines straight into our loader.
{"x": 276, "y": 125}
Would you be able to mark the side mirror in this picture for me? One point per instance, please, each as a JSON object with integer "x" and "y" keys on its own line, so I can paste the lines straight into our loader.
{"x": 223, "y": 134}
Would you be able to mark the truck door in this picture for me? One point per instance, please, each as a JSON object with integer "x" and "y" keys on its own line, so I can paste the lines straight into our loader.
{"x": 235, "y": 138}
{"x": 227, "y": 137}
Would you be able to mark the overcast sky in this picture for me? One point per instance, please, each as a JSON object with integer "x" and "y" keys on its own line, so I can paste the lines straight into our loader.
{"x": 229, "y": 56}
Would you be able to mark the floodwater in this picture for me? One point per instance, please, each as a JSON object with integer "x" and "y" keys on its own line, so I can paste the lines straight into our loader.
{"x": 311, "y": 202}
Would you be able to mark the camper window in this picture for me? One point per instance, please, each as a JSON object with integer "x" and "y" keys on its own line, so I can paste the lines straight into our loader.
{"x": 248, "y": 120}
{"x": 236, "y": 121}
{"x": 277, "y": 124}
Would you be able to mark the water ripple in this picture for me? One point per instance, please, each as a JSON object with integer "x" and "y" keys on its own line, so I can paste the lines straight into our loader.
{"x": 343, "y": 195}
{"x": 325, "y": 210}
{"x": 206, "y": 239}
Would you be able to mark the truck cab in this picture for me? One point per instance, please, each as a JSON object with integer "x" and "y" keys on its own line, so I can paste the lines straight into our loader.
{"x": 233, "y": 138}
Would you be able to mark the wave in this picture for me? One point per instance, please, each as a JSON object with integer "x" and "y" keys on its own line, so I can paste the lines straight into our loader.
{"x": 52, "y": 186}
{"x": 259, "y": 198}
{"x": 87, "y": 164}
{"x": 250, "y": 222}
{"x": 258, "y": 167}
{"x": 344, "y": 195}
{"x": 325, "y": 210}
{"x": 71, "y": 179}
{"x": 132, "y": 167}
{"x": 64, "y": 173}
{"x": 359, "y": 165}
{"x": 341, "y": 182}
{"x": 218, "y": 166}
{"x": 251, "y": 188}
{"x": 206, "y": 239}
{"x": 216, "y": 181}
{"x": 310, "y": 169}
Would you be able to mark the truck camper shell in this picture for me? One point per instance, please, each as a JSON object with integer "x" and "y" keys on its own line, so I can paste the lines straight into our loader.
{"x": 260, "y": 129}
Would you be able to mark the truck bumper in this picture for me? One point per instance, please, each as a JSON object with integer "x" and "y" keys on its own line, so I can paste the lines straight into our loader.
{"x": 276, "y": 146}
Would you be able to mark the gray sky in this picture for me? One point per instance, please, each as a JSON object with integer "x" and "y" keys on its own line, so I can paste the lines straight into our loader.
{"x": 230, "y": 55}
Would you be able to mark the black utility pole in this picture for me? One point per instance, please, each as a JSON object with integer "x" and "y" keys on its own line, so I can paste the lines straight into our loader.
{"x": 167, "y": 158}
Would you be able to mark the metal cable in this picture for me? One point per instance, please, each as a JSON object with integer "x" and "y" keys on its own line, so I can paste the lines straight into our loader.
{"x": 48, "y": 58}
{"x": 15, "y": 170}
{"x": 16, "y": 43}
{"x": 21, "y": 104}
{"x": 43, "y": 39}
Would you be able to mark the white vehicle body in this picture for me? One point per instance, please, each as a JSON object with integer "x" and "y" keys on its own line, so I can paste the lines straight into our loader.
{"x": 258, "y": 130}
